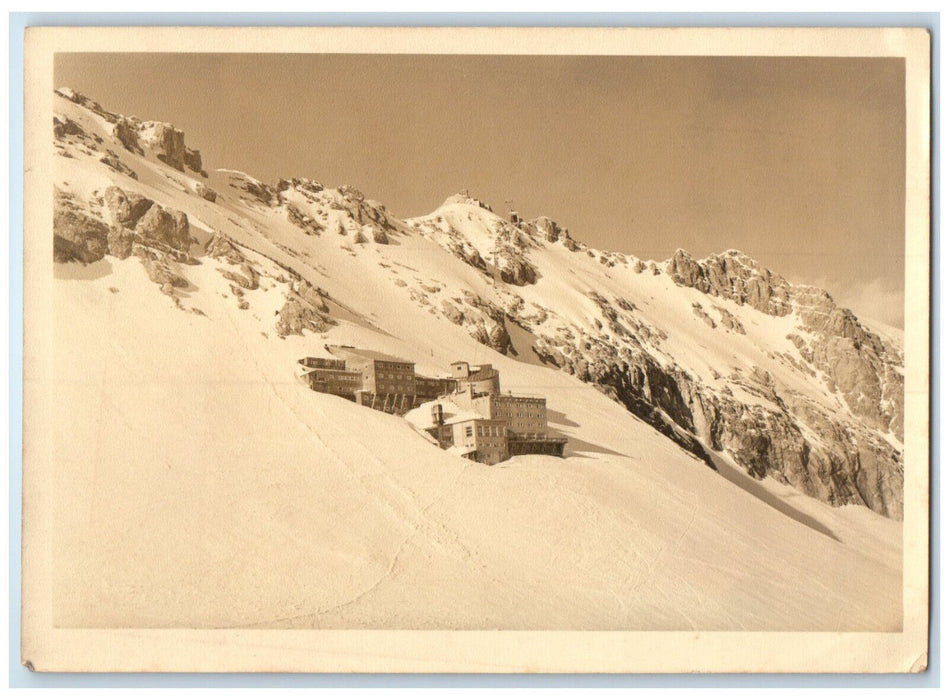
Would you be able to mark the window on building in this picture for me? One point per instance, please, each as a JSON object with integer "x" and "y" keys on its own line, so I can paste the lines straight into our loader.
{"x": 469, "y": 432}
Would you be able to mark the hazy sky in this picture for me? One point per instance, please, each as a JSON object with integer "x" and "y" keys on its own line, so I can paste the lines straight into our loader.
{"x": 798, "y": 162}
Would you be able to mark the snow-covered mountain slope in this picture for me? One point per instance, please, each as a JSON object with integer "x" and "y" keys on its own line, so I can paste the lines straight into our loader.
{"x": 200, "y": 484}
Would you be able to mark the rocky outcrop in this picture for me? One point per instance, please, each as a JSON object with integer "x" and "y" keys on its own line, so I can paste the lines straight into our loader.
{"x": 77, "y": 236}
{"x": 205, "y": 192}
{"x": 484, "y": 321}
{"x": 165, "y": 141}
{"x": 159, "y": 270}
{"x": 121, "y": 242}
{"x": 192, "y": 161}
{"x": 730, "y": 321}
{"x": 127, "y": 135}
{"x": 220, "y": 247}
{"x": 465, "y": 251}
{"x": 246, "y": 278}
{"x": 510, "y": 257}
{"x": 307, "y": 187}
{"x": 305, "y": 309}
{"x": 847, "y": 465}
{"x": 112, "y": 160}
{"x": 700, "y": 312}
{"x": 306, "y": 223}
{"x": 126, "y": 208}
{"x": 66, "y": 127}
{"x": 734, "y": 276}
{"x": 165, "y": 226}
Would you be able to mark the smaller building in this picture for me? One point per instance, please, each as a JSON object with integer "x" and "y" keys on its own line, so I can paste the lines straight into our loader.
{"x": 474, "y": 381}
{"x": 322, "y": 363}
{"x": 476, "y": 438}
{"x": 339, "y": 382}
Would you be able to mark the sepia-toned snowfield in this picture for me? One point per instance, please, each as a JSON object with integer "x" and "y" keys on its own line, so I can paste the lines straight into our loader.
{"x": 200, "y": 484}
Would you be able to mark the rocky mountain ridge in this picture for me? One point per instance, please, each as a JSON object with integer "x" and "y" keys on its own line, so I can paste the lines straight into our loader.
{"x": 794, "y": 387}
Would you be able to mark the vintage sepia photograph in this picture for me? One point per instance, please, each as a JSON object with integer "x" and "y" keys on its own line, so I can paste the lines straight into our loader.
{"x": 476, "y": 350}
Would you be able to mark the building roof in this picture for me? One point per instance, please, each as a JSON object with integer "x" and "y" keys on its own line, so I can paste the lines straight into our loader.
{"x": 367, "y": 354}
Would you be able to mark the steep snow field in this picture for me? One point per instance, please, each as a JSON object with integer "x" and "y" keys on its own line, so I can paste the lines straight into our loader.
{"x": 200, "y": 484}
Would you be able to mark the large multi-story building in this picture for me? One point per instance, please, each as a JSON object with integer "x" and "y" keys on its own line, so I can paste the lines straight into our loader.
{"x": 372, "y": 379}
{"x": 381, "y": 374}
{"x": 525, "y": 416}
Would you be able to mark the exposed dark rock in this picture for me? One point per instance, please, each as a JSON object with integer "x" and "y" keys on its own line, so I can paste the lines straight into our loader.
{"x": 205, "y": 192}
{"x": 296, "y": 217}
{"x": 120, "y": 242}
{"x": 220, "y": 247}
{"x": 297, "y": 315}
{"x": 160, "y": 272}
{"x": 112, "y": 160}
{"x": 126, "y": 208}
{"x": 167, "y": 142}
{"x": 730, "y": 321}
{"x": 510, "y": 257}
{"x": 246, "y": 278}
{"x": 192, "y": 160}
{"x": 127, "y": 135}
{"x": 732, "y": 276}
{"x": 77, "y": 236}
{"x": 167, "y": 226}
{"x": 66, "y": 127}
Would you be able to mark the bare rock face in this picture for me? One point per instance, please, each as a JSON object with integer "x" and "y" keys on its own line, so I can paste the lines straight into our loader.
{"x": 828, "y": 455}
{"x": 112, "y": 160}
{"x": 192, "y": 160}
{"x": 205, "y": 192}
{"x": 220, "y": 247}
{"x": 77, "y": 236}
{"x": 127, "y": 135}
{"x": 734, "y": 276}
{"x": 263, "y": 192}
{"x": 309, "y": 226}
{"x": 120, "y": 241}
{"x": 66, "y": 127}
{"x": 465, "y": 251}
{"x": 702, "y": 314}
{"x": 297, "y": 315}
{"x": 126, "y": 208}
{"x": 510, "y": 256}
{"x": 314, "y": 296}
{"x": 167, "y": 142}
{"x": 247, "y": 278}
{"x": 548, "y": 228}
{"x": 167, "y": 226}
{"x": 857, "y": 363}
{"x": 452, "y": 313}
{"x": 159, "y": 270}
{"x": 730, "y": 321}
